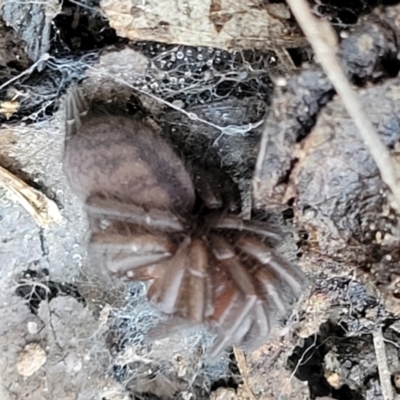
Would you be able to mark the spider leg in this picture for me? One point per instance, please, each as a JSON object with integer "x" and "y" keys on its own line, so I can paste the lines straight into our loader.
{"x": 122, "y": 263}
{"x": 114, "y": 209}
{"x": 226, "y": 254}
{"x": 225, "y": 294}
{"x": 197, "y": 288}
{"x": 110, "y": 243}
{"x": 270, "y": 283}
{"x": 225, "y": 306}
{"x": 184, "y": 284}
{"x": 123, "y": 253}
{"x": 171, "y": 285}
{"x": 260, "y": 327}
{"x": 154, "y": 290}
{"x": 234, "y": 318}
{"x": 268, "y": 258}
{"x": 193, "y": 301}
{"x": 236, "y": 223}
{"x": 146, "y": 273}
{"x": 262, "y": 319}
{"x": 75, "y": 108}
{"x": 236, "y": 337}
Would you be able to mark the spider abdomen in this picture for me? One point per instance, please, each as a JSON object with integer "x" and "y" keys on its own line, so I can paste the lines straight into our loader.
{"x": 119, "y": 157}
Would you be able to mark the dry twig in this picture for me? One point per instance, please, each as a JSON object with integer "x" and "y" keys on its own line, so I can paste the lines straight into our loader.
{"x": 384, "y": 374}
{"x": 244, "y": 371}
{"x": 42, "y": 209}
{"x": 324, "y": 43}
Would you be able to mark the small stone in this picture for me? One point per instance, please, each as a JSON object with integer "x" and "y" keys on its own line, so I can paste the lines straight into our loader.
{"x": 178, "y": 103}
{"x": 334, "y": 380}
{"x": 396, "y": 380}
{"x": 187, "y": 395}
{"x": 280, "y": 11}
{"x": 223, "y": 394}
{"x": 281, "y": 81}
{"x": 32, "y": 327}
{"x": 31, "y": 359}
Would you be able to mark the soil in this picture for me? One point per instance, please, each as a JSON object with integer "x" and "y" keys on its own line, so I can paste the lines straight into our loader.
{"x": 70, "y": 332}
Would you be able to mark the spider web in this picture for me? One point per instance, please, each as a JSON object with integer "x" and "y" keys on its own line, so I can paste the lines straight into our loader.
{"x": 141, "y": 364}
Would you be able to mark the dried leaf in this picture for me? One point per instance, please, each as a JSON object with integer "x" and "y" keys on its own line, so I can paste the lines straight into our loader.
{"x": 224, "y": 24}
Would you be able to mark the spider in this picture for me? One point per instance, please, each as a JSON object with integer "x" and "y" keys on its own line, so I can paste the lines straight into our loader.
{"x": 154, "y": 219}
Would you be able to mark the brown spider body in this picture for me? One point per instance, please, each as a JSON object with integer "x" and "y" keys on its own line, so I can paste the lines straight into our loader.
{"x": 105, "y": 159}
{"x": 206, "y": 265}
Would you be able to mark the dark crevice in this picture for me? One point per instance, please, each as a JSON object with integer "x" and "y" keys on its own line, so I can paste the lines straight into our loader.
{"x": 233, "y": 381}
{"x": 43, "y": 243}
{"x": 300, "y": 55}
{"x": 78, "y": 34}
{"x": 343, "y": 14}
{"x": 309, "y": 364}
{"x": 391, "y": 65}
{"x": 80, "y": 29}
{"x": 35, "y": 286}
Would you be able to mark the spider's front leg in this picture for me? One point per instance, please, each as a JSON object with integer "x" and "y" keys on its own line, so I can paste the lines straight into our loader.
{"x": 115, "y": 243}
{"x": 114, "y": 209}
{"x": 289, "y": 275}
{"x": 234, "y": 222}
{"x": 135, "y": 247}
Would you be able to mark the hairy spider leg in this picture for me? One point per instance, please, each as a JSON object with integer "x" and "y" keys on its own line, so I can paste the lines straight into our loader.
{"x": 99, "y": 207}
{"x": 233, "y": 324}
{"x": 236, "y": 223}
{"x": 288, "y": 272}
{"x": 111, "y": 243}
{"x": 75, "y": 108}
{"x": 171, "y": 284}
{"x": 197, "y": 287}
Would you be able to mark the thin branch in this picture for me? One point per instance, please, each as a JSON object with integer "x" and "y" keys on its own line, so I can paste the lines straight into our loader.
{"x": 37, "y": 65}
{"x": 298, "y": 365}
{"x": 42, "y": 209}
{"x": 384, "y": 373}
{"x": 244, "y": 371}
{"x": 324, "y": 43}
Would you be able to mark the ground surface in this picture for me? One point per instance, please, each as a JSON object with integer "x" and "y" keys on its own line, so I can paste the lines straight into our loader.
{"x": 69, "y": 332}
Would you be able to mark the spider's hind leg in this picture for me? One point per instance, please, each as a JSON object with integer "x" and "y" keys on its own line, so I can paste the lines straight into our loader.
{"x": 76, "y": 107}
{"x": 236, "y": 302}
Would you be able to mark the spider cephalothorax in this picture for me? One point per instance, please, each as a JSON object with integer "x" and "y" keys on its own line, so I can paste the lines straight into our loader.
{"x": 149, "y": 221}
